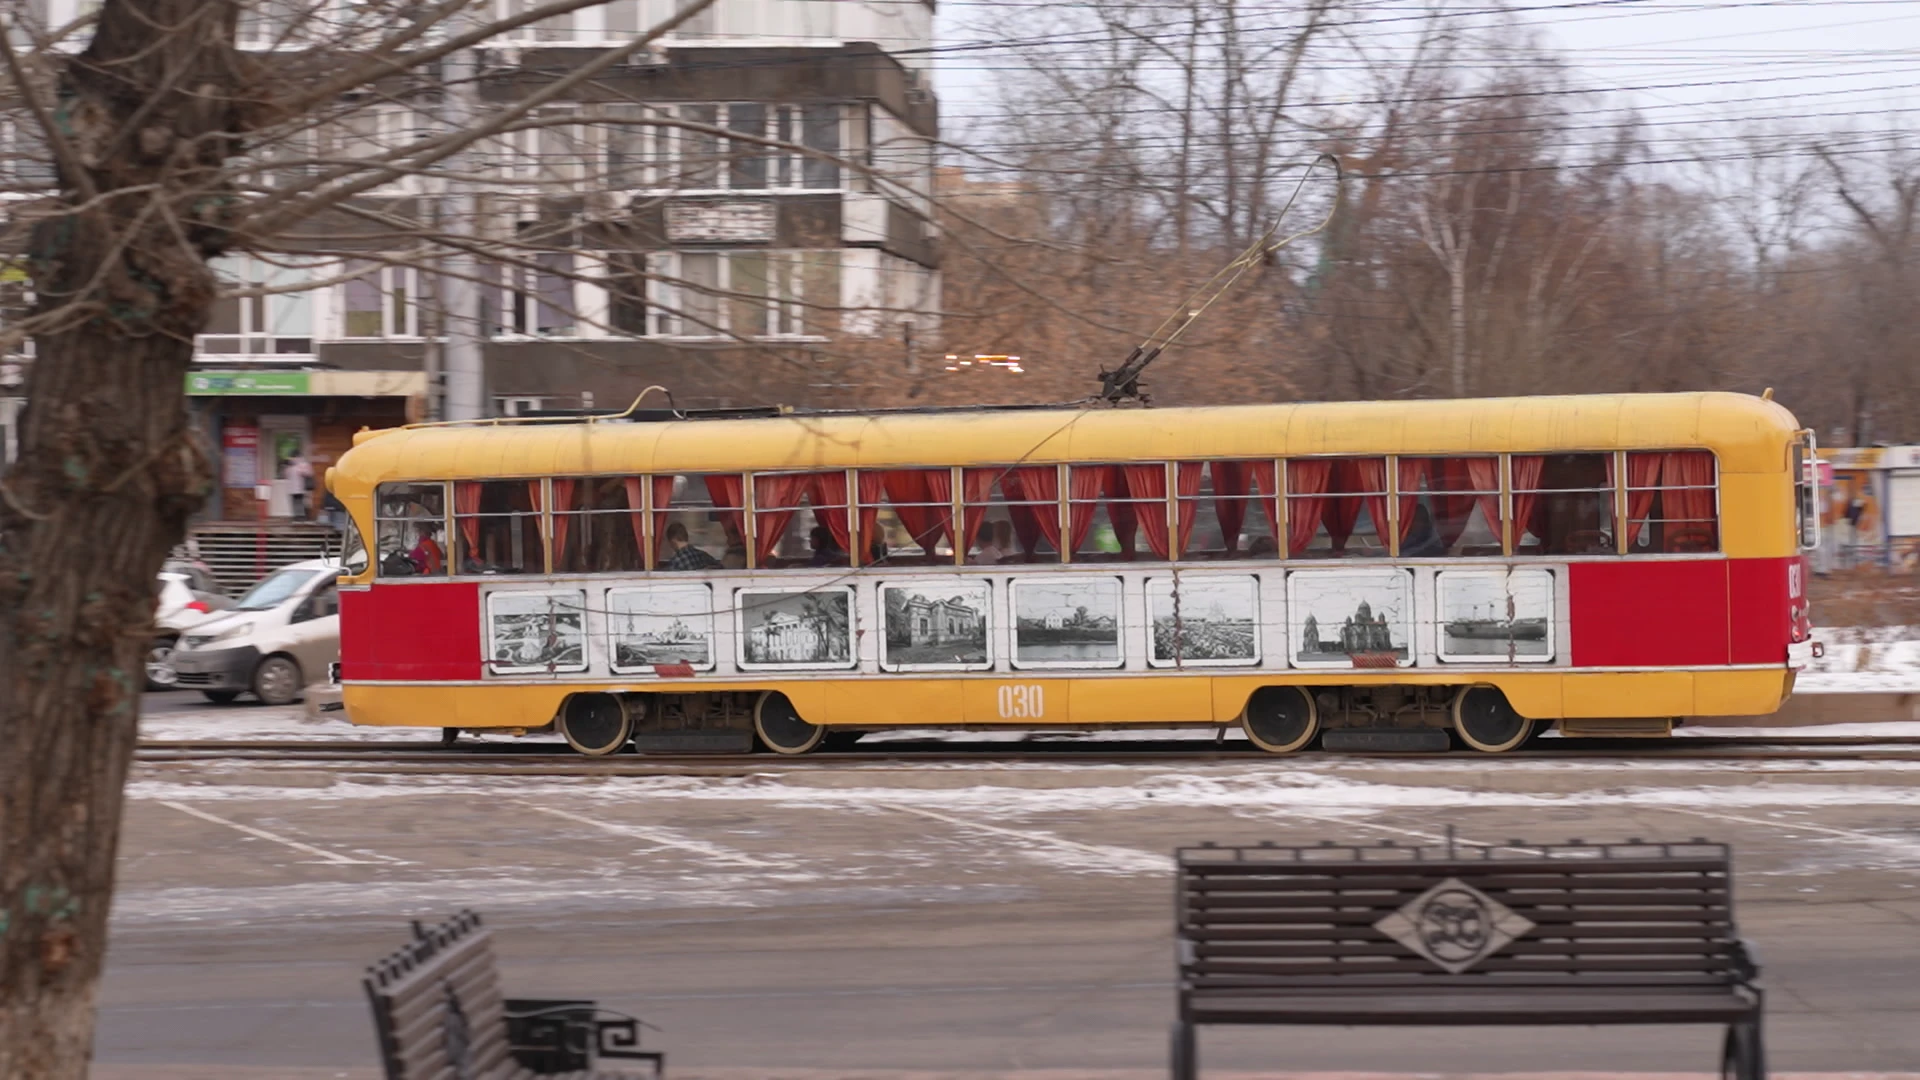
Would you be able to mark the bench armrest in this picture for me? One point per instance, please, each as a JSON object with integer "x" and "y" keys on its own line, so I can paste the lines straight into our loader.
{"x": 1746, "y": 961}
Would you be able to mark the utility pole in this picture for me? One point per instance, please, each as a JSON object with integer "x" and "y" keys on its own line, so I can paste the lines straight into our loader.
{"x": 463, "y": 362}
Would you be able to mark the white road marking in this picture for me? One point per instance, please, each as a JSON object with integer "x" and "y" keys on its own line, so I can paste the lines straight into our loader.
{"x": 1906, "y": 848}
{"x": 323, "y": 854}
{"x": 1131, "y": 858}
{"x": 668, "y": 838}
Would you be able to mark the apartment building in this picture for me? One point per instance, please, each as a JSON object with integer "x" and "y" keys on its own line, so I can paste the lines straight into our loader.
{"x": 641, "y": 241}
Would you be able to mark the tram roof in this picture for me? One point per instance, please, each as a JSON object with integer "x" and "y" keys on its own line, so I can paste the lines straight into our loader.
{"x": 1747, "y": 432}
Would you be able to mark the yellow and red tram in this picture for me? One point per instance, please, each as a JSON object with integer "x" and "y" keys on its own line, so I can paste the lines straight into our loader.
{"x": 1378, "y": 570}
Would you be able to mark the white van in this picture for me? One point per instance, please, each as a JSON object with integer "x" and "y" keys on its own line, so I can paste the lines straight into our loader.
{"x": 281, "y": 635}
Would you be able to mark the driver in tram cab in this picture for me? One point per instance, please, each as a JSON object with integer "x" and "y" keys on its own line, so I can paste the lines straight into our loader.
{"x": 685, "y": 556}
{"x": 426, "y": 556}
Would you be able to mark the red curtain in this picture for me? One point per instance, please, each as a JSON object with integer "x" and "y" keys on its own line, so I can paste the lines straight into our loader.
{"x": 1415, "y": 474}
{"x": 662, "y": 500}
{"x": 1349, "y": 487}
{"x": 1692, "y": 471}
{"x": 1187, "y": 488}
{"x": 466, "y": 504}
{"x": 1034, "y": 484}
{"x": 1230, "y": 483}
{"x": 940, "y": 490}
{"x": 909, "y": 490}
{"x": 1526, "y": 475}
{"x": 1368, "y": 476}
{"x": 562, "y": 502}
{"x": 976, "y": 488}
{"x": 774, "y": 500}
{"x": 1481, "y": 476}
{"x": 1149, "y": 482}
{"x": 830, "y": 505}
{"x": 1085, "y": 486}
{"x": 729, "y": 494}
{"x": 635, "y": 507}
{"x": 1643, "y": 472}
{"x": 1309, "y": 477}
{"x": 873, "y": 491}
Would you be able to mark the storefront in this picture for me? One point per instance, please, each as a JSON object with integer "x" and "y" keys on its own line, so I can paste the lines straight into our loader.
{"x": 255, "y": 423}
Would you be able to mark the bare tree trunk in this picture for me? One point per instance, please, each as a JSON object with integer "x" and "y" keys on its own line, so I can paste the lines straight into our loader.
{"x": 107, "y": 476}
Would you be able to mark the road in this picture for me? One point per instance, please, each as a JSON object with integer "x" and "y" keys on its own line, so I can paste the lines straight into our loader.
{"x": 964, "y": 920}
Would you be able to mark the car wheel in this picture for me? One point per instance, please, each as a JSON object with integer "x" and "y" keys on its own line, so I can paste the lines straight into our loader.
{"x": 160, "y": 673}
{"x": 221, "y": 697}
{"x": 277, "y": 681}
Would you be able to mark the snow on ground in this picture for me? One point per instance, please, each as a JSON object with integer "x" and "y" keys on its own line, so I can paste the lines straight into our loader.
{"x": 1864, "y": 660}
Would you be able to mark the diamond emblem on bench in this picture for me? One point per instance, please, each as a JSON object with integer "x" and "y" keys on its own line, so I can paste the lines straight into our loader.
{"x": 1454, "y": 925}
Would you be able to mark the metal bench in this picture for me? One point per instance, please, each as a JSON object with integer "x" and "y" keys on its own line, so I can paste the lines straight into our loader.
{"x": 1457, "y": 934}
{"x": 439, "y": 1014}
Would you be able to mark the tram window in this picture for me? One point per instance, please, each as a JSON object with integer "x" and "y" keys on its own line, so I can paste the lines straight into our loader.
{"x": 1806, "y": 498}
{"x": 1117, "y": 512}
{"x": 800, "y": 520}
{"x": 906, "y": 517}
{"x": 1228, "y": 509}
{"x": 697, "y": 522}
{"x": 1333, "y": 505}
{"x": 497, "y": 527}
{"x": 1563, "y": 504}
{"x": 1449, "y": 506}
{"x": 597, "y": 525}
{"x": 408, "y": 519}
{"x": 1019, "y": 507}
{"x": 1671, "y": 505}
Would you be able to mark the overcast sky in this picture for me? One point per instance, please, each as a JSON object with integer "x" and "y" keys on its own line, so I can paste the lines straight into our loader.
{"x": 1814, "y": 66}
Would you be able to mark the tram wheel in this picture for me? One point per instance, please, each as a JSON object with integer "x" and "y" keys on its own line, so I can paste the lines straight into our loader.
{"x": 595, "y": 724}
{"x": 1280, "y": 719}
{"x": 1485, "y": 721}
{"x": 781, "y": 728}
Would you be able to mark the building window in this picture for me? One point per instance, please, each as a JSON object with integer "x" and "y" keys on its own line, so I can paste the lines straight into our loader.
{"x": 382, "y": 301}
{"x": 627, "y": 292}
{"x": 531, "y": 301}
{"x": 1672, "y": 503}
{"x": 820, "y": 130}
{"x": 742, "y": 294}
{"x": 272, "y": 324}
{"x": 640, "y": 151}
{"x": 1562, "y": 504}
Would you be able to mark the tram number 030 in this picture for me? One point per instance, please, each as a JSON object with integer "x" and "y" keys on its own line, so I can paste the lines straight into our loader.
{"x": 1023, "y": 702}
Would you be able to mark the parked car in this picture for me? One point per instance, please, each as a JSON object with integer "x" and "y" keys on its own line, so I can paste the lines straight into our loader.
{"x": 285, "y": 631}
{"x": 188, "y": 595}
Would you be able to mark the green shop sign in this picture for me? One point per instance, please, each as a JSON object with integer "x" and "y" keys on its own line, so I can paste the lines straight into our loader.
{"x": 208, "y": 383}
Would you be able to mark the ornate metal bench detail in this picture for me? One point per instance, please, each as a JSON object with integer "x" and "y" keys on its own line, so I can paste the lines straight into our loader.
{"x": 439, "y": 1015}
{"x": 1457, "y": 934}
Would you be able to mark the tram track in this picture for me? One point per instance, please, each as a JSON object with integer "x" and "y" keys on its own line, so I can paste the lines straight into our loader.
{"x": 542, "y": 759}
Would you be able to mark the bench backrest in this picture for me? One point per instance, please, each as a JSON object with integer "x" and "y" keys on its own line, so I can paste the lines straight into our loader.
{"x": 437, "y": 1005}
{"x": 1634, "y": 914}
